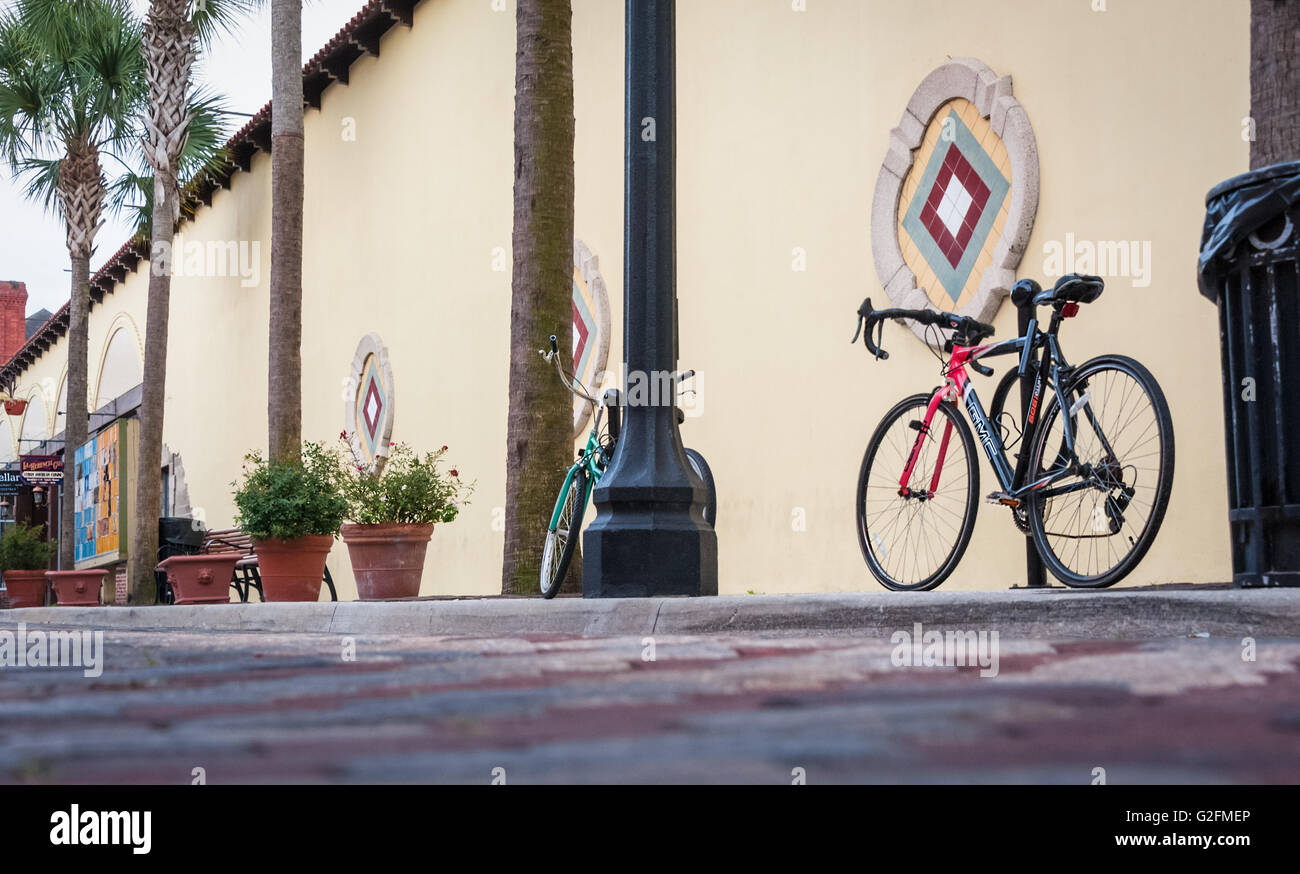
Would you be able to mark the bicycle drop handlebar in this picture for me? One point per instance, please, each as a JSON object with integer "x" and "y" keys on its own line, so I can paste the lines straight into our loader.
{"x": 969, "y": 330}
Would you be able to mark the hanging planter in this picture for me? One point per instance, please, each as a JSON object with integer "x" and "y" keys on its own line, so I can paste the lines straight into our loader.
{"x": 14, "y": 406}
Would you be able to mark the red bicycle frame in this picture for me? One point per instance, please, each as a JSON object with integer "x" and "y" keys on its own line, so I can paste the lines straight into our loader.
{"x": 957, "y": 384}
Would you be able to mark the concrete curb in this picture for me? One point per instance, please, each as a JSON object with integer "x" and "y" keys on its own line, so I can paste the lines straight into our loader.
{"x": 1125, "y": 614}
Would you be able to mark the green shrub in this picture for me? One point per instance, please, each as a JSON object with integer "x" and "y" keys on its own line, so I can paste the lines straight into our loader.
{"x": 23, "y": 549}
{"x": 410, "y": 490}
{"x": 289, "y": 501}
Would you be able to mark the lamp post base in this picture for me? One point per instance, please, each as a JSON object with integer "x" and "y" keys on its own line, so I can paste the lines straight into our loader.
{"x": 649, "y": 556}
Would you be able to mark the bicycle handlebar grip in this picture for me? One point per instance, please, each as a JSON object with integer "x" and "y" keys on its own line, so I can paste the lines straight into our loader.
{"x": 865, "y": 324}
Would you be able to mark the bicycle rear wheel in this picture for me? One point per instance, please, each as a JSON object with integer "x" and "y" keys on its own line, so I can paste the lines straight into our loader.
{"x": 1124, "y": 443}
{"x": 562, "y": 540}
{"x": 913, "y": 537}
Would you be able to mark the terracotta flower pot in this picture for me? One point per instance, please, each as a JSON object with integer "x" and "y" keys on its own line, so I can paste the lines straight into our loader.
{"x": 387, "y": 560}
{"x": 26, "y": 588}
{"x": 291, "y": 570}
{"x": 200, "y": 579}
{"x": 77, "y": 588}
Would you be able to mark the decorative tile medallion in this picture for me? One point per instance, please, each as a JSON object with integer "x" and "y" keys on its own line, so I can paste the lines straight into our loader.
{"x": 956, "y": 197}
{"x": 591, "y": 327}
{"x": 368, "y": 415}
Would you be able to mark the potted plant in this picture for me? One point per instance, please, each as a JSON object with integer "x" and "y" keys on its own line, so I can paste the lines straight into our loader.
{"x": 24, "y": 556}
{"x": 292, "y": 513}
{"x": 392, "y": 513}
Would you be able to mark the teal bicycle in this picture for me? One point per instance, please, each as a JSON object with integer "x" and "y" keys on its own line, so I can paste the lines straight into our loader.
{"x": 562, "y": 535}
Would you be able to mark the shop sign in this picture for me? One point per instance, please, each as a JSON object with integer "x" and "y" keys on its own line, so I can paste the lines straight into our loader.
{"x": 43, "y": 469}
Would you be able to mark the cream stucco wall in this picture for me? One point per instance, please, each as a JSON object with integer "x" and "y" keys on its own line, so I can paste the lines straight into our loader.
{"x": 784, "y": 119}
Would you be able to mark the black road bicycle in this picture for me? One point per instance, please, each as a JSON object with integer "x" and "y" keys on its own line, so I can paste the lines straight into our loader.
{"x": 1090, "y": 483}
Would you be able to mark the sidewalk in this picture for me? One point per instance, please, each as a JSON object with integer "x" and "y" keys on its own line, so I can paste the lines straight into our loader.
{"x": 1057, "y": 614}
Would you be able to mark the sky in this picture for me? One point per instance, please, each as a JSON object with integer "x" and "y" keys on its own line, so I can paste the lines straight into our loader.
{"x": 32, "y": 245}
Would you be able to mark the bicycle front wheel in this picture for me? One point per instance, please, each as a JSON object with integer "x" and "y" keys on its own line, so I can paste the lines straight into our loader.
{"x": 1095, "y": 524}
{"x": 913, "y": 535}
{"x": 562, "y": 540}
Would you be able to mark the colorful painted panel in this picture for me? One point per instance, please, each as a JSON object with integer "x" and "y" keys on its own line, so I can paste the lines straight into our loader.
{"x": 98, "y": 507}
{"x": 954, "y": 205}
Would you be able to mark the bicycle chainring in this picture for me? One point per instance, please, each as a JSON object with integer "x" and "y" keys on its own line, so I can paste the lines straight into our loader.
{"x": 1020, "y": 516}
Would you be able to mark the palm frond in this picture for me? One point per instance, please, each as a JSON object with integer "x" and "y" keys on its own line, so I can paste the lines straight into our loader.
{"x": 212, "y": 18}
{"x": 132, "y": 193}
{"x": 40, "y": 177}
{"x": 205, "y": 145}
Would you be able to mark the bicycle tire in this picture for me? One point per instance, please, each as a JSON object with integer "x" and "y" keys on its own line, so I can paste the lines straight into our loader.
{"x": 866, "y": 539}
{"x": 552, "y": 583}
{"x": 1038, "y": 507}
{"x": 705, "y": 473}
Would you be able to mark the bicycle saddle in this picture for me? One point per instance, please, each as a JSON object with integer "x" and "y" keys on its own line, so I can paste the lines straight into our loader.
{"x": 1071, "y": 288}
{"x": 1078, "y": 288}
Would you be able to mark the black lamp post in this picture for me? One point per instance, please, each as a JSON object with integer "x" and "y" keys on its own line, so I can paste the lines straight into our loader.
{"x": 649, "y": 537}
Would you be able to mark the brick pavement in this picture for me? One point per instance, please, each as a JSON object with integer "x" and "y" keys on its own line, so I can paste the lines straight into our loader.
{"x": 287, "y": 707}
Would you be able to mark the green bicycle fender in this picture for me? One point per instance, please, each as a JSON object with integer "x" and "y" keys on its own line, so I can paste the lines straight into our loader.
{"x": 564, "y": 490}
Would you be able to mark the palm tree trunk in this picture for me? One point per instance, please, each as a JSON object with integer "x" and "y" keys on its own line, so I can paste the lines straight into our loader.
{"x": 148, "y": 481}
{"x": 539, "y": 441}
{"x": 76, "y": 421}
{"x": 1275, "y": 81}
{"x": 284, "y": 387}
{"x": 169, "y": 52}
{"x": 81, "y": 194}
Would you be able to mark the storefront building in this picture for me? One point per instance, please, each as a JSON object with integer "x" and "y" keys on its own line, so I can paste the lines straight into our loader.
{"x": 808, "y": 180}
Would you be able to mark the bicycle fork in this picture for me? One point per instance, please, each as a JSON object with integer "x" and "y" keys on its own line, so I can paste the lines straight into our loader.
{"x": 923, "y": 431}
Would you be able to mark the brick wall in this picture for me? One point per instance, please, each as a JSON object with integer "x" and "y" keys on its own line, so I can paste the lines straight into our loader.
{"x": 13, "y": 317}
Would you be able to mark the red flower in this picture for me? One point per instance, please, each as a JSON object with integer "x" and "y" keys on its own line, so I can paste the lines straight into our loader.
{"x": 455, "y": 473}
{"x": 444, "y": 449}
{"x": 343, "y": 435}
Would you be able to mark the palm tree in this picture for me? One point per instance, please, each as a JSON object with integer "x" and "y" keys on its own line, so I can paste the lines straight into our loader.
{"x": 540, "y": 426}
{"x": 284, "y": 371}
{"x": 1275, "y": 81}
{"x": 173, "y": 32}
{"x": 71, "y": 83}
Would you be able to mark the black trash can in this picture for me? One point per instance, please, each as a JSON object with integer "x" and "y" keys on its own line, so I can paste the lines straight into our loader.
{"x": 177, "y": 535}
{"x": 1250, "y": 267}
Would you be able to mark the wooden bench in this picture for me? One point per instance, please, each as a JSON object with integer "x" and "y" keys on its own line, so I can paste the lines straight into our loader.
{"x": 246, "y": 577}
